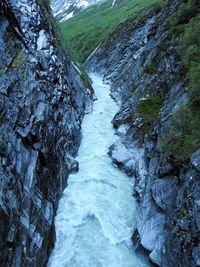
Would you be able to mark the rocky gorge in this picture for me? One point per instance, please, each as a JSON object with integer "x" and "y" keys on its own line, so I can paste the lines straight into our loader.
{"x": 142, "y": 62}
{"x": 43, "y": 99}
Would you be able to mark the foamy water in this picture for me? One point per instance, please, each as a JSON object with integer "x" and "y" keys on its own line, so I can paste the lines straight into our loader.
{"x": 96, "y": 214}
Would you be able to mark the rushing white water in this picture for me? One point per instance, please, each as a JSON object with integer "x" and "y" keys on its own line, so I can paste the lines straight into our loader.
{"x": 96, "y": 214}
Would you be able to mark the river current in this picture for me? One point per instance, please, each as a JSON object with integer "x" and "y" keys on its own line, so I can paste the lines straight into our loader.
{"x": 97, "y": 212}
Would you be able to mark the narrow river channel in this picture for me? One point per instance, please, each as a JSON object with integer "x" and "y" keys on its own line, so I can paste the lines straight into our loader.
{"x": 97, "y": 212}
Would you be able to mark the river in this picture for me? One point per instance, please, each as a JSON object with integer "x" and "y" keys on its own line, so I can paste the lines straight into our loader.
{"x": 97, "y": 212}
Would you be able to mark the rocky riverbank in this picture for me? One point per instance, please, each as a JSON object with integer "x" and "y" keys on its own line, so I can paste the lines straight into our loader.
{"x": 141, "y": 60}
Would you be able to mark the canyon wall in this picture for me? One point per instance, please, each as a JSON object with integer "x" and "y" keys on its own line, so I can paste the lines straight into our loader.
{"x": 42, "y": 103}
{"x": 142, "y": 61}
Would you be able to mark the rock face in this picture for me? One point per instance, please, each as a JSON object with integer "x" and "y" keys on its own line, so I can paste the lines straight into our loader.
{"x": 42, "y": 103}
{"x": 141, "y": 59}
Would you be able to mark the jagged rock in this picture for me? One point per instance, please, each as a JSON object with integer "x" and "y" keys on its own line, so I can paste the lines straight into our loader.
{"x": 130, "y": 159}
{"x": 151, "y": 230}
{"x": 157, "y": 253}
{"x": 196, "y": 255}
{"x": 72, "y": 164}
{"x": 164, "y": 193}
{"x": 165, "y": 168}
{"x": 121, "y": 156}
{"x": 195, "y": 160}
{"x": 42, "y": 103}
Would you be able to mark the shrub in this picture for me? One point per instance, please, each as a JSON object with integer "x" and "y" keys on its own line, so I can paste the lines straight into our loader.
{"x": 194, "y": 86}
{"x": 149, "y": 109}
{"x": 191, "y": 57}
{"x": 151, "y": 68}
{"x": 183, "y": 137}
{"x": 186, "y": 11}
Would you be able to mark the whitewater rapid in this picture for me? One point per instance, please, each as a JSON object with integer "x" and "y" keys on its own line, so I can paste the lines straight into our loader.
{"x": 97, "y": 212}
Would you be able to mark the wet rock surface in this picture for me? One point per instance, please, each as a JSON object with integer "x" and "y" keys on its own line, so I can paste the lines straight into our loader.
{"x": 141, "y": 59}
{"x": 42, "y": 103}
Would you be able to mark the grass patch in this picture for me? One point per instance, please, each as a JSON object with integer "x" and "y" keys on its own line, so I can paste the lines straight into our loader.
{"x": 2, "y": 69}
{"x": 151, "y": 68}
{"x": 183, "y": 138}
{"x": 84, "y": 32}
{"x": 85, "y": 78}
{"x": 19, "y": 60}
{"x": 149, "y": 110}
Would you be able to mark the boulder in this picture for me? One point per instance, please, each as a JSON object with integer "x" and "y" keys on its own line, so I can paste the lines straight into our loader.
{"x": 151, "y": 230}
{"x": 164, "y": 193}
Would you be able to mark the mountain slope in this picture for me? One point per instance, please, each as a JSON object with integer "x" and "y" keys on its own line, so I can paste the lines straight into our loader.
{"x": 84, "y": 32}
{"x": 66, "y": 9}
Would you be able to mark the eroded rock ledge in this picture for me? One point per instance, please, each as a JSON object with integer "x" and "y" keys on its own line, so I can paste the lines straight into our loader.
{"x": 42, "y": 103}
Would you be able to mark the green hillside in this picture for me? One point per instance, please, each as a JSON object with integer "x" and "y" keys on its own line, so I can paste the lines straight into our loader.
{"x": 82, "y": 33}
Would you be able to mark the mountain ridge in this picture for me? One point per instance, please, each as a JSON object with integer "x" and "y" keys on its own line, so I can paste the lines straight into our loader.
{"x": 66, "y": 9}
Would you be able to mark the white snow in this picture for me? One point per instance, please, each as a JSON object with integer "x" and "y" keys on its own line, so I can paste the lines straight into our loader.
{"x": 82, "y": 4}
{"x": 60, "y": 6}
{"x": 68, "y": 16}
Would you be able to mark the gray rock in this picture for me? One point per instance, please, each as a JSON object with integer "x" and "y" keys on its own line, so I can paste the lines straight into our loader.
{"x": 157, "y": 253}
{"x": 42, "y": 104}
{"x": 164, "y": 193}
{"x": 195, "y": 160}
{"x": 151, "y": 230}
{"x": 196, "y": 255}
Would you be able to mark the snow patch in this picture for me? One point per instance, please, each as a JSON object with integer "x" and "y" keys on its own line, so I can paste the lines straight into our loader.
{"x": 68, "y": 16}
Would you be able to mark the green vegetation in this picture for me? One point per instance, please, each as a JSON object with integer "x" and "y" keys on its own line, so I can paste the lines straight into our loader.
{"x": 85, "y": 78}
{"x": 83, "y": 33}
{"x": 44, "y": 3}
{"x": 1, "y": 70}
{"x": 151, "y": 68}
{"x": 19, "y": 60}
{"x": 132, "y": 90}
{"x": 183, "y": 137}
{"x": 149, "y": 110}
{"x": 191, "y": 57}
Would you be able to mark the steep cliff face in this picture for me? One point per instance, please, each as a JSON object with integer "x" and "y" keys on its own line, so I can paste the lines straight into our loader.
{"x": 142, "y": 61}
{"x": 42, "y": 103}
